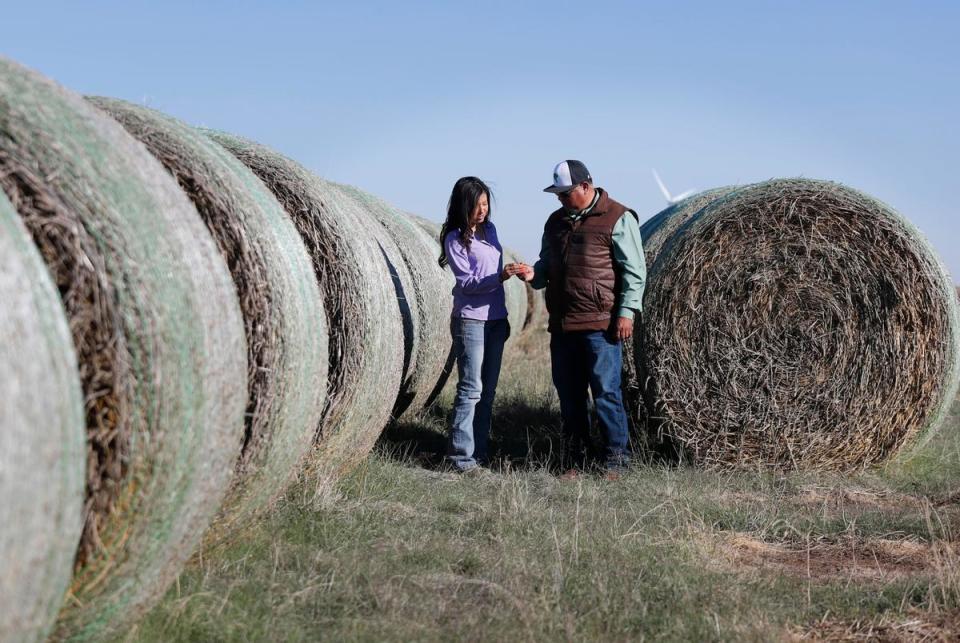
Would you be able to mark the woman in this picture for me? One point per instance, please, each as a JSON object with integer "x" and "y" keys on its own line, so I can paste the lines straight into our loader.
{"x": 479, "y": 320}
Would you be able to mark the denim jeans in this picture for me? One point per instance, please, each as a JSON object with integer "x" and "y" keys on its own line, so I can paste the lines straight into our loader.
{"x": 478, "y": 346}
{"x": 582, "y": 360}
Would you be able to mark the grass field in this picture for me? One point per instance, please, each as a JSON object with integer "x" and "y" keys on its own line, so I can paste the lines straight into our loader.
{"x": 402, "y": 551}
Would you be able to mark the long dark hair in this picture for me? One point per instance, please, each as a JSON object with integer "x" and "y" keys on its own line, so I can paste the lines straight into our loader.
{"x": 463, "y": 199}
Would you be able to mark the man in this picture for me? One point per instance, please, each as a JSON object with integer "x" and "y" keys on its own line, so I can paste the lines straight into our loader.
{"x": 592, "y": 265}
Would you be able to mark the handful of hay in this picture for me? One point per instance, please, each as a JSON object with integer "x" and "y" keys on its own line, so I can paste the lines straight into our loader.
{"x": 798, "y": 324}
{"x": 42, "y": 440}
{"x": 279, "y": 297}
{"x": 159, "y": 336}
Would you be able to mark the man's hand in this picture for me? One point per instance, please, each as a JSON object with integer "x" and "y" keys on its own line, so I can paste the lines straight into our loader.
{"x": 624, "y": 328}
{"x": 525, "y": 272}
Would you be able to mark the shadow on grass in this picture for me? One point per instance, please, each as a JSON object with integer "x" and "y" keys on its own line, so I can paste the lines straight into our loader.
{"x": 523, "y": 435}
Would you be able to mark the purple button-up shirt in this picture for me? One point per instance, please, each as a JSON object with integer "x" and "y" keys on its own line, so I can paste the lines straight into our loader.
{"x": 478, "y": 292}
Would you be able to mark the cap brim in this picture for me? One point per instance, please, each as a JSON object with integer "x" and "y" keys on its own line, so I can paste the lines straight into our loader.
{"x": 557, "y": 189}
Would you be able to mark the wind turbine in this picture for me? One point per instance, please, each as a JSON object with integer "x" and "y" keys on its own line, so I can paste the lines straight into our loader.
{"x": 671, "y": 199}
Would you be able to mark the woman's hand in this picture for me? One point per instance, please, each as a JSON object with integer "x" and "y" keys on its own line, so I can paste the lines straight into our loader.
{"x": 509, "y": 270}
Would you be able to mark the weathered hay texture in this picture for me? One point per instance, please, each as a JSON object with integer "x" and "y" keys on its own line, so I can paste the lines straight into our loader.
{"x": 430, "y": 227}
{"x": 42, "y": 440}
{"x": 799, "y": 324}
{"x": 158, "y": 331}
{"x": 444, "y": 344}
{"x": 370, "y": 211}
{"x": 654, "y": 232}
{"x": 658, "y": 229}
{"x": 366, "y": 333}
{"x": 281, "y": 303}
{"x": 428, "y": 302}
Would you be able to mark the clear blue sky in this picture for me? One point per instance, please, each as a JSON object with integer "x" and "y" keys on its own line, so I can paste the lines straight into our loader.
{"x": 402, "y": 98}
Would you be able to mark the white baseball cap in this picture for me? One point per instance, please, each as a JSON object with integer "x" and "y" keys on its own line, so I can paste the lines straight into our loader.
{"x": 567, "y": 175}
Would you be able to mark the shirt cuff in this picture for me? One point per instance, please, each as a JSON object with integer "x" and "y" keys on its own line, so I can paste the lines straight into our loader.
{"x": 625, "y": 312}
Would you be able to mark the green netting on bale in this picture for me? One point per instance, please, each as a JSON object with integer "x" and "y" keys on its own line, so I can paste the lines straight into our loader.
{"x": 159, "y": 336}
{"x": 366, "y": 333}
{"x": 373, "y": 211}
{"x": 279, "y": 297}
{"x": 42, "y": 434}
{"x": 432, "y": 303}
{"x": 799, "y": 324}
{"x": 443, "y": 348}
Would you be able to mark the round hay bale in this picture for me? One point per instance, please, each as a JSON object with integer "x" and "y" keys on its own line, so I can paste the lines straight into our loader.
{"x": 429, "y": 303}
{"x": 157, "y": 327}
{"x": 281, "y": 303}
{"x": 366, "y": 332}
{"x": 371, "y": 211}
{"x": 659, "y": 228}
{"x": 443, "y": 346}
{"x": 799, "y": 324}
{"x": 430, "y": 227}
{"x": 654, "y": 232}
{"x": 42, "y": 440}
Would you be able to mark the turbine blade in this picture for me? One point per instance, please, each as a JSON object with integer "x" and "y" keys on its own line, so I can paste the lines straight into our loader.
{"x": 663, "y": 188}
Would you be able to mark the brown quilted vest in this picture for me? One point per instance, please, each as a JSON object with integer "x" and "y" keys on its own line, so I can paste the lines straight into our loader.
{"x": 582, "y": 285}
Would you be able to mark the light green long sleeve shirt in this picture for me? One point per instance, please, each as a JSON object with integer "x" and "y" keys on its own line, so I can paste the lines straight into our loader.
{"x": 628, "y": 260}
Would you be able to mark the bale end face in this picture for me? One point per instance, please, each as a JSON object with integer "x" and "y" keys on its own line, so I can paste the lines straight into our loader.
{"x": 798, "y": 324}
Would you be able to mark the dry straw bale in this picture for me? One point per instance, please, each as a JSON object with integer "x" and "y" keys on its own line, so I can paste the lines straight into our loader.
{"x": 655, "y": 232}
{"x": 658, "y": 229}
{"x": 159, "y": 337}
{"x": 42, "y": 440}
{"x": 279, "y": 297}
{"x": 366, "y": 333}
{"x": 371, "y": 212}
{"x": 444, "y": 345}
{"x": 428, "y": 301}
{"x": 799, "y": 324}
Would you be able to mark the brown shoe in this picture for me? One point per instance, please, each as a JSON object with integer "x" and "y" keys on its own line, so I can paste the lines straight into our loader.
{"x": 569, "y": 474}
{"x": 612, "y": 476}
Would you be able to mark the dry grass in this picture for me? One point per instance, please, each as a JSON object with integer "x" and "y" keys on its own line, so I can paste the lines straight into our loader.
{"x": 403, "y": 551}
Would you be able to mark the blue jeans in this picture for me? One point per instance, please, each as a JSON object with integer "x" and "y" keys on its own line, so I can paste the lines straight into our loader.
{"x": 582, "y": 360}
{"x": 478, "y": 346}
